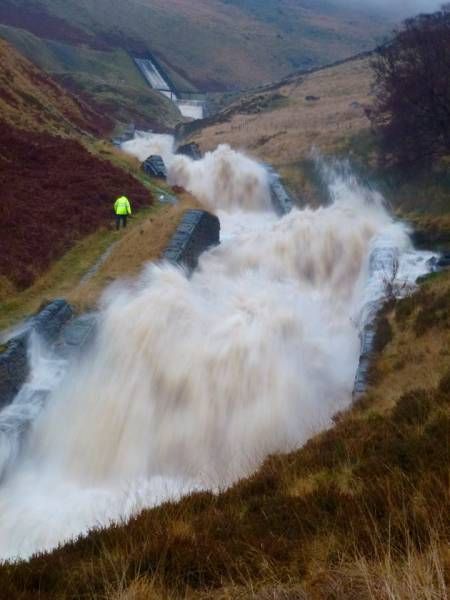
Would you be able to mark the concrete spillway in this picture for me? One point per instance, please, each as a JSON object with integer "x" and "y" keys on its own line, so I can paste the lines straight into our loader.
{"x": 154, "y": 77}
{"x": 193, "y": 109}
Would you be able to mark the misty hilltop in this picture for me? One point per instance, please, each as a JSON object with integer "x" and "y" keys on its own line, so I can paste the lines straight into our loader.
{"x": 215, "y": 44}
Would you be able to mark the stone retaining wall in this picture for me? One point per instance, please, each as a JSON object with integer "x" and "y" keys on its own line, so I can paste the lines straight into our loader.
{"x": 383, "y": 265}
{"x": 49, "y": 321}
{"x": 14, "y": 365}
{"x": 281, "y": 200}
{"x": 14, "y": 369}
{"x": 198, "y": 231}
{"x": 192, "y": 150}
{"x": 367, "y": 354}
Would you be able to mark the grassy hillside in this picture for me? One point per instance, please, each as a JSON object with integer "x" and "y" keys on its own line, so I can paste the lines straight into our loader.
{"x": 108, "y": 79}
{"x": 281, "y": 124}
{"x": 47, "y": 203}
{"x": 30, "y": 99}
{"x": 145, "y": 238}
{"x": 58, "y": 184}
{"x": 216, "y": 44}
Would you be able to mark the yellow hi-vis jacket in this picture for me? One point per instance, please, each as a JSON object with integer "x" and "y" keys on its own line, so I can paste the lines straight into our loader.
{"x": 122, "y": 206}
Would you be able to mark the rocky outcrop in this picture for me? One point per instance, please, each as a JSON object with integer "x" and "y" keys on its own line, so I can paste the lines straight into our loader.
{"x": 440, "y": 262}
{"x": 198, "y": 231}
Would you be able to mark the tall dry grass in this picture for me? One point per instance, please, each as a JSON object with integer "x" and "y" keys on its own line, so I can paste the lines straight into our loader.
{"x": 283, "y": 132}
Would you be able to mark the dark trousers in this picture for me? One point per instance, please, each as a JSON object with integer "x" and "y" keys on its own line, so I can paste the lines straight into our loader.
{"x": 121, "y": 219}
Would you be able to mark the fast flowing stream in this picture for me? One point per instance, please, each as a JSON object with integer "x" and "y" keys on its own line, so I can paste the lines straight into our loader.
{"x": 192, "y": 381}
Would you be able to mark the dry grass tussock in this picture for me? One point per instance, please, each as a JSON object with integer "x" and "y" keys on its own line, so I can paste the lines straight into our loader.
{"x": 418, "y": 576}
{"x": 360, "y": 512}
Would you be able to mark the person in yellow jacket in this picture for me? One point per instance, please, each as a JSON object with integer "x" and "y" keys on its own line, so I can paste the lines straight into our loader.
{"x": 122, "y": 208}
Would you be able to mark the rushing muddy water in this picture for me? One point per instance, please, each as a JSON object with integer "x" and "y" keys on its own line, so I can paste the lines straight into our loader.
{"x": 193, "y": 381}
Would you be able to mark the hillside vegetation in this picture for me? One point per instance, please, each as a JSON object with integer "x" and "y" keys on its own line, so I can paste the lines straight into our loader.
{"x": 59, "y": 181}
{"x": 54, "y": 190}
{"x": 108, "y": 79}
{"x": 220, "y": 44}
{"x": 282, "y": 123}
{"x": 30, "y": 99}
{"x": 53, "y": 193}
{"x": 328, "y": 110}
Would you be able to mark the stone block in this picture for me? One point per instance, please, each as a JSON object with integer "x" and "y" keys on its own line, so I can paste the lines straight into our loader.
{"x": 198, "y": 231}
{"x": 14, "y": 369}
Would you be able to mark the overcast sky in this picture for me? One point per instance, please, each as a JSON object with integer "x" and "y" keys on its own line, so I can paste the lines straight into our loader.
{"x": 409, "y": 6}
{"x": 400, "y": 8}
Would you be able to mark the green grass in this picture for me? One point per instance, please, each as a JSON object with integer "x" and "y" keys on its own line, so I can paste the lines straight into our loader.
{"x": 58, "y": 58}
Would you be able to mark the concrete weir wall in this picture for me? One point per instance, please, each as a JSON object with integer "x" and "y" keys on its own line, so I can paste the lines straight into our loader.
{"x": 281, "y": 200}
{"x": 57, "y": 324}
{"x": 14, "y": 369}
{"x": 198, "y": 231}
{"x": 14, "y": 364}
{"x": 383, "y": 265}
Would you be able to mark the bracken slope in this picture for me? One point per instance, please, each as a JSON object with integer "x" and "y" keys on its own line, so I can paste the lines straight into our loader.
{"x": 29, "y": 98}
{"x": 54, "y": 191}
